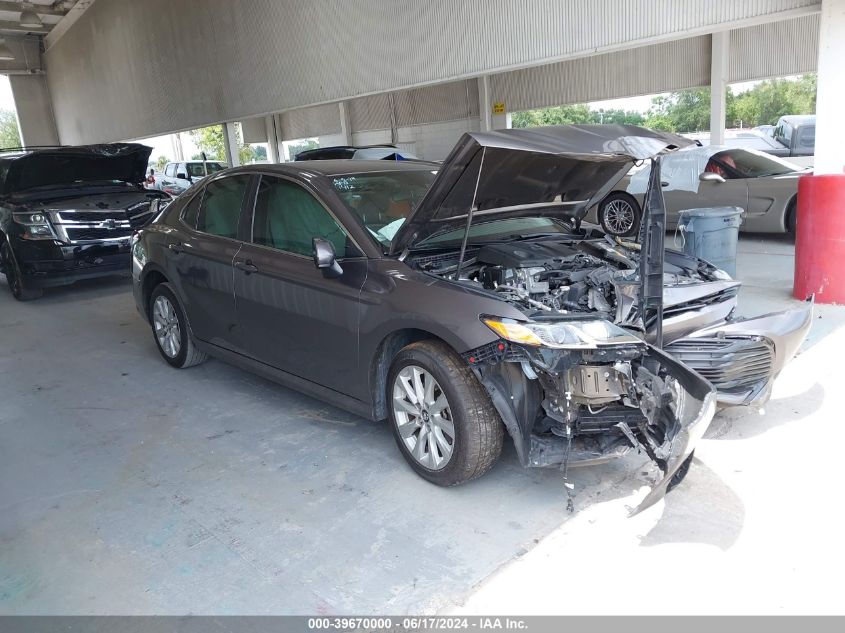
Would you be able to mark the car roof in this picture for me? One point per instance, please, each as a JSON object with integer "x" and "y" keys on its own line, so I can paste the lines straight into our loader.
{"x": 799, "y": 119}
{"x": 338, "y": 167}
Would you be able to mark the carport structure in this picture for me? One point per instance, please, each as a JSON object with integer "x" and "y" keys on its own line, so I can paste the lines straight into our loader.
{"x": 188, "y": 511}
{"x": 417, "y": 75}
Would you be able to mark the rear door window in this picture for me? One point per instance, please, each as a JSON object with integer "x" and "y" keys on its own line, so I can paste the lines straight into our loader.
{"x": 220, "y": 210}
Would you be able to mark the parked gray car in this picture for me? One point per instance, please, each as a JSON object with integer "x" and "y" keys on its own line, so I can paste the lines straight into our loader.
{"x": 177, "y": 177}
{"x": 462, "y": 302}
{"x": 764, "y": 186}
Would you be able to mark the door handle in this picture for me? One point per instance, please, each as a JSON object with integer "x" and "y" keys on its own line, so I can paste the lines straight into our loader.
{"x": 175, "y": 247}
{"x": 246, "y": 266}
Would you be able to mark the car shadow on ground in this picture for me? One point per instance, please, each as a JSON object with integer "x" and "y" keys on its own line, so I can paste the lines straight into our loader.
{"x": 84, "y": 290}
{"x": 707, "y": 509}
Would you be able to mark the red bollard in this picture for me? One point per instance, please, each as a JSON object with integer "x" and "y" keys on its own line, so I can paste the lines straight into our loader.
{"x": 820, "y": 239}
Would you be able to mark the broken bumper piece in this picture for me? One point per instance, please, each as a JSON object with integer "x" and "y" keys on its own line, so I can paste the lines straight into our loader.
{"x": 579, "y": 407}
{"x": 743, "y": 357}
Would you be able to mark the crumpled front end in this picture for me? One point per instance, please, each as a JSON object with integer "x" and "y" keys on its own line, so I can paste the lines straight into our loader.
{"x": 576, "y": 407}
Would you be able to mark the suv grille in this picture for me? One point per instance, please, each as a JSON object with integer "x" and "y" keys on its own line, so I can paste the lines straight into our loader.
{"x": 91, "y": 226}
{"x": 91, "y": 216}
{"x": 733, "y": 364}
{"x": 83, "y": 234}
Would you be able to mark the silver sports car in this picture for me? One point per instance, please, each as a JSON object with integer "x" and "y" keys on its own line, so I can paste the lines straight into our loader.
{"x": 764, "y": 186}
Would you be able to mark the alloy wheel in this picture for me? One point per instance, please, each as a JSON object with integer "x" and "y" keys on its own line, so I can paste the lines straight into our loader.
{"x": 166, "y": 324}
{"x": 619, "y": 216}
{"x": 423, "y": 418}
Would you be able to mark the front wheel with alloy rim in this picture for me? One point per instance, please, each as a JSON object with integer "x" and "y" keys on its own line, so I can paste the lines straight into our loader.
{"x": 619, "y": 214}
{"x": 442, "y": 418}
{"x": 170, "y": 329}
{"x": 13, "y": 276}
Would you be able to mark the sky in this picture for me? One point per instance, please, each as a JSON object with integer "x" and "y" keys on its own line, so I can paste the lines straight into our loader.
{"x": 6, "y": 100}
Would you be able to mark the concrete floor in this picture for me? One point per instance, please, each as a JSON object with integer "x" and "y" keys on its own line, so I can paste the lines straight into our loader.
{"x": 129, "y": 487}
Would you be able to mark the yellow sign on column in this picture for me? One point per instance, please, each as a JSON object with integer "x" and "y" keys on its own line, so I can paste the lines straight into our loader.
{"x": 499, "y": 107}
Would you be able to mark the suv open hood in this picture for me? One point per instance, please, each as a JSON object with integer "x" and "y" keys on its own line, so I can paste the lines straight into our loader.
{"x": 125, "y": 162}
{"x": 558, "y": 171}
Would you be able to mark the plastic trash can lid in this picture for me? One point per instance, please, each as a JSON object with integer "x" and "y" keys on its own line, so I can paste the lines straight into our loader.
{"x": 711, "y": 212}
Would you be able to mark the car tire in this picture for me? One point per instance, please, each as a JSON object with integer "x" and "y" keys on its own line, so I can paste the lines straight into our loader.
{"x": 171, "y": 331}
{"x": 13, "y": 277}
{"x": 477, "y": 431}
{"x": 619, "y": 214}
{"x": 792, "y": 216}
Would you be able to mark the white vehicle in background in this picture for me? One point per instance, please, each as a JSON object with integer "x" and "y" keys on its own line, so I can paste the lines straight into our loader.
{"x": 793, "y": 137}
{"x": 177, "y": 177}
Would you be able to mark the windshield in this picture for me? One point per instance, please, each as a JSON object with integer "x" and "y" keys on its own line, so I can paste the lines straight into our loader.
{"x": 382, "y": 200}
{"x": 196, "y": 170}
{"x": 505, "y": 229}
{"x": 742, "y": 163}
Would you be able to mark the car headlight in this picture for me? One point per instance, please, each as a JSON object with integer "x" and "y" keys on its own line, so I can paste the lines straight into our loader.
{"x": 721, "y": 275}
{"x": 587, "y": 334}
{"x": 36, "y": 226}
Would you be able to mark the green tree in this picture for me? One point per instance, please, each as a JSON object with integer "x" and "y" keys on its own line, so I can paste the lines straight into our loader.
{"x": 210, "y": 140}
{"x": 769, "y": 100}
{"x": 574, "y": 114}
{"x": 161, "y": 162}
{"x": 301, "y": 146}
{"x": 689, "y": 110}
{"x": 10, "y": 135}
{"x": 683, "y": 111}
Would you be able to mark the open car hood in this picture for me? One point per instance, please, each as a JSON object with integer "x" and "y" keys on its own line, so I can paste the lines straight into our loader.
{"x": 557, "y": 171}
{"x": 125, "y": 162}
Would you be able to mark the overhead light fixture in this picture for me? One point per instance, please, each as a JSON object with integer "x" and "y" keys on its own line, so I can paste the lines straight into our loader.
{"x": 6, "y": 54}
{"x": 30, "y": 19}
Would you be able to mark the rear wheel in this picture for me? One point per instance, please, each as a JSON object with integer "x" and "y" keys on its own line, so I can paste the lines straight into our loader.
{"x": 619, "y": 214}
{"x": 170, "y": 329}
{"x": 13, "y": 276}
{"x": 442, "y": 418}
{"x": 792, "y": 216}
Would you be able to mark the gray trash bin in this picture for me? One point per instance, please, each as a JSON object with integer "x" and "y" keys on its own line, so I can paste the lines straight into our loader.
{"x": 711, "y": 234}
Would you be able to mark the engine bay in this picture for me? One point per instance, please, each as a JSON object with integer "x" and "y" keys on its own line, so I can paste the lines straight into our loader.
{"x": 544, "y": 276}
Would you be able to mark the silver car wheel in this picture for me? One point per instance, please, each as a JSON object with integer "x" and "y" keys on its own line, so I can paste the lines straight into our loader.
{"x": 166, "y": 325}
{"x": 619, "y": 216}
{"x": 423, "y": 417}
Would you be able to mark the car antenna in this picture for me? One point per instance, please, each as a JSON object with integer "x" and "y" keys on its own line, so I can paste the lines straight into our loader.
{"x": 469, "y": 219}
{"x": 204, "y": 163}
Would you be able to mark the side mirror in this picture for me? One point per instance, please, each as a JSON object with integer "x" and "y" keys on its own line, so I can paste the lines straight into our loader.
{"x": 709, "y": 176}
{"x": 182, "y": 175}
{"x": 325, "y": 258}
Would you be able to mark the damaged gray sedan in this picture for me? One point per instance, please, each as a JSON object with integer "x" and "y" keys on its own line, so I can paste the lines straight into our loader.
{"x": 465, "y": 302}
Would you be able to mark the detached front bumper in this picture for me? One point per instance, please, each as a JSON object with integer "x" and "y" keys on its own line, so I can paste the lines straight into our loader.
{"x": 743, "y": 357}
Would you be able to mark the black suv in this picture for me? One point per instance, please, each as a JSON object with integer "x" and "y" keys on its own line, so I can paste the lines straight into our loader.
{"x": 67, "y": 213}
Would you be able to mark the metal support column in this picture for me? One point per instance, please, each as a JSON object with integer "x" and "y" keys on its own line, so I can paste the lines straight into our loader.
{"x": 720, "y": 48}
{"x": 230, "y": 140}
